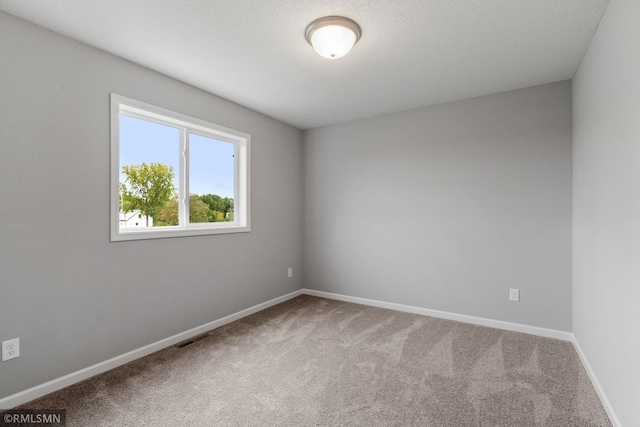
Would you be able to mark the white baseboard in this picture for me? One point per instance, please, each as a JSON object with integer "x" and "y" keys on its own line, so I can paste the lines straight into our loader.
{"x": 596, "y": 384}
{"x": 74, "y": 377}
{"x": 498, "y": 324}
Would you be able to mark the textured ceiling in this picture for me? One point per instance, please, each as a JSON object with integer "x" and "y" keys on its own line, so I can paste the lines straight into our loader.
{"x": 413, "y": 53}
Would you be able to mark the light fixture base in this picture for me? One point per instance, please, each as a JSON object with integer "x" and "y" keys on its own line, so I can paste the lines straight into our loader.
{"x": 332, "y": 20}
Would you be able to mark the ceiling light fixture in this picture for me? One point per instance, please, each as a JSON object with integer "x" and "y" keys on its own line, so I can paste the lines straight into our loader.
{"x": 333, "y": 36}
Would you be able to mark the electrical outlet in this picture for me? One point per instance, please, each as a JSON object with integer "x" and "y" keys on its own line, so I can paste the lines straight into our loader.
{"x": 10, "y": 349}
{"x": 290, "y": 272}
{"x": 514, "y": 294}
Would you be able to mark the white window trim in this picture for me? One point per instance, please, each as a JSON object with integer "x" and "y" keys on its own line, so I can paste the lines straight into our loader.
{"x": 242, "y": 172}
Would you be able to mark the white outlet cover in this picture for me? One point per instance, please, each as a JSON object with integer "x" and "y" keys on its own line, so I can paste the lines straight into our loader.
{"x": 514, "y": 294}
{"x": 10, "y": 349}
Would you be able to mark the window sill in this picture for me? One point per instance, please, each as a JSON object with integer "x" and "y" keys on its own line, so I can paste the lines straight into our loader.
{"x": 167, "y": 232}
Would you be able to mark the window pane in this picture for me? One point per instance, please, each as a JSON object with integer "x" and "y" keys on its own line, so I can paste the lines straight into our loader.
{"x": 211, "y": 180}
{"x": 149, "y": 158}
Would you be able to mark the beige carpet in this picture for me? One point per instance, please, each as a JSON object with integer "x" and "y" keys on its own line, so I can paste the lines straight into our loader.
{"x": 318, "y": 362}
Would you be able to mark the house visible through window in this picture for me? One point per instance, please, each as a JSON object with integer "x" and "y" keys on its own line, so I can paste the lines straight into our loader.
{"x": 174, "y": 175}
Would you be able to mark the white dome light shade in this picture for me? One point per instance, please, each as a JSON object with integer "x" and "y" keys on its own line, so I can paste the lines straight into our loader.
{"x": 333, "y": 41}
{"x": 333, "y": 36}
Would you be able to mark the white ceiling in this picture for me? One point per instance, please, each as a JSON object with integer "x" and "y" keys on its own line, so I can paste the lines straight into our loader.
{"x": 413, "y": 53}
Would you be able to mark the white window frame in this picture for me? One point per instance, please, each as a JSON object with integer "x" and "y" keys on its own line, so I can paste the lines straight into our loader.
{"x": 242, "y": 151}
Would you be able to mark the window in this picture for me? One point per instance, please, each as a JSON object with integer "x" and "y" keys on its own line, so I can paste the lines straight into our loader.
{"x": 174, "y": 175}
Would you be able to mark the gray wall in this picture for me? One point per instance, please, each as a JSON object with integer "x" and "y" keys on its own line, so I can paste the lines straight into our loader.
{"x": 447, "y": 207}
{"x": 606, "y": 207}
{"x": 73, "y": 297}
